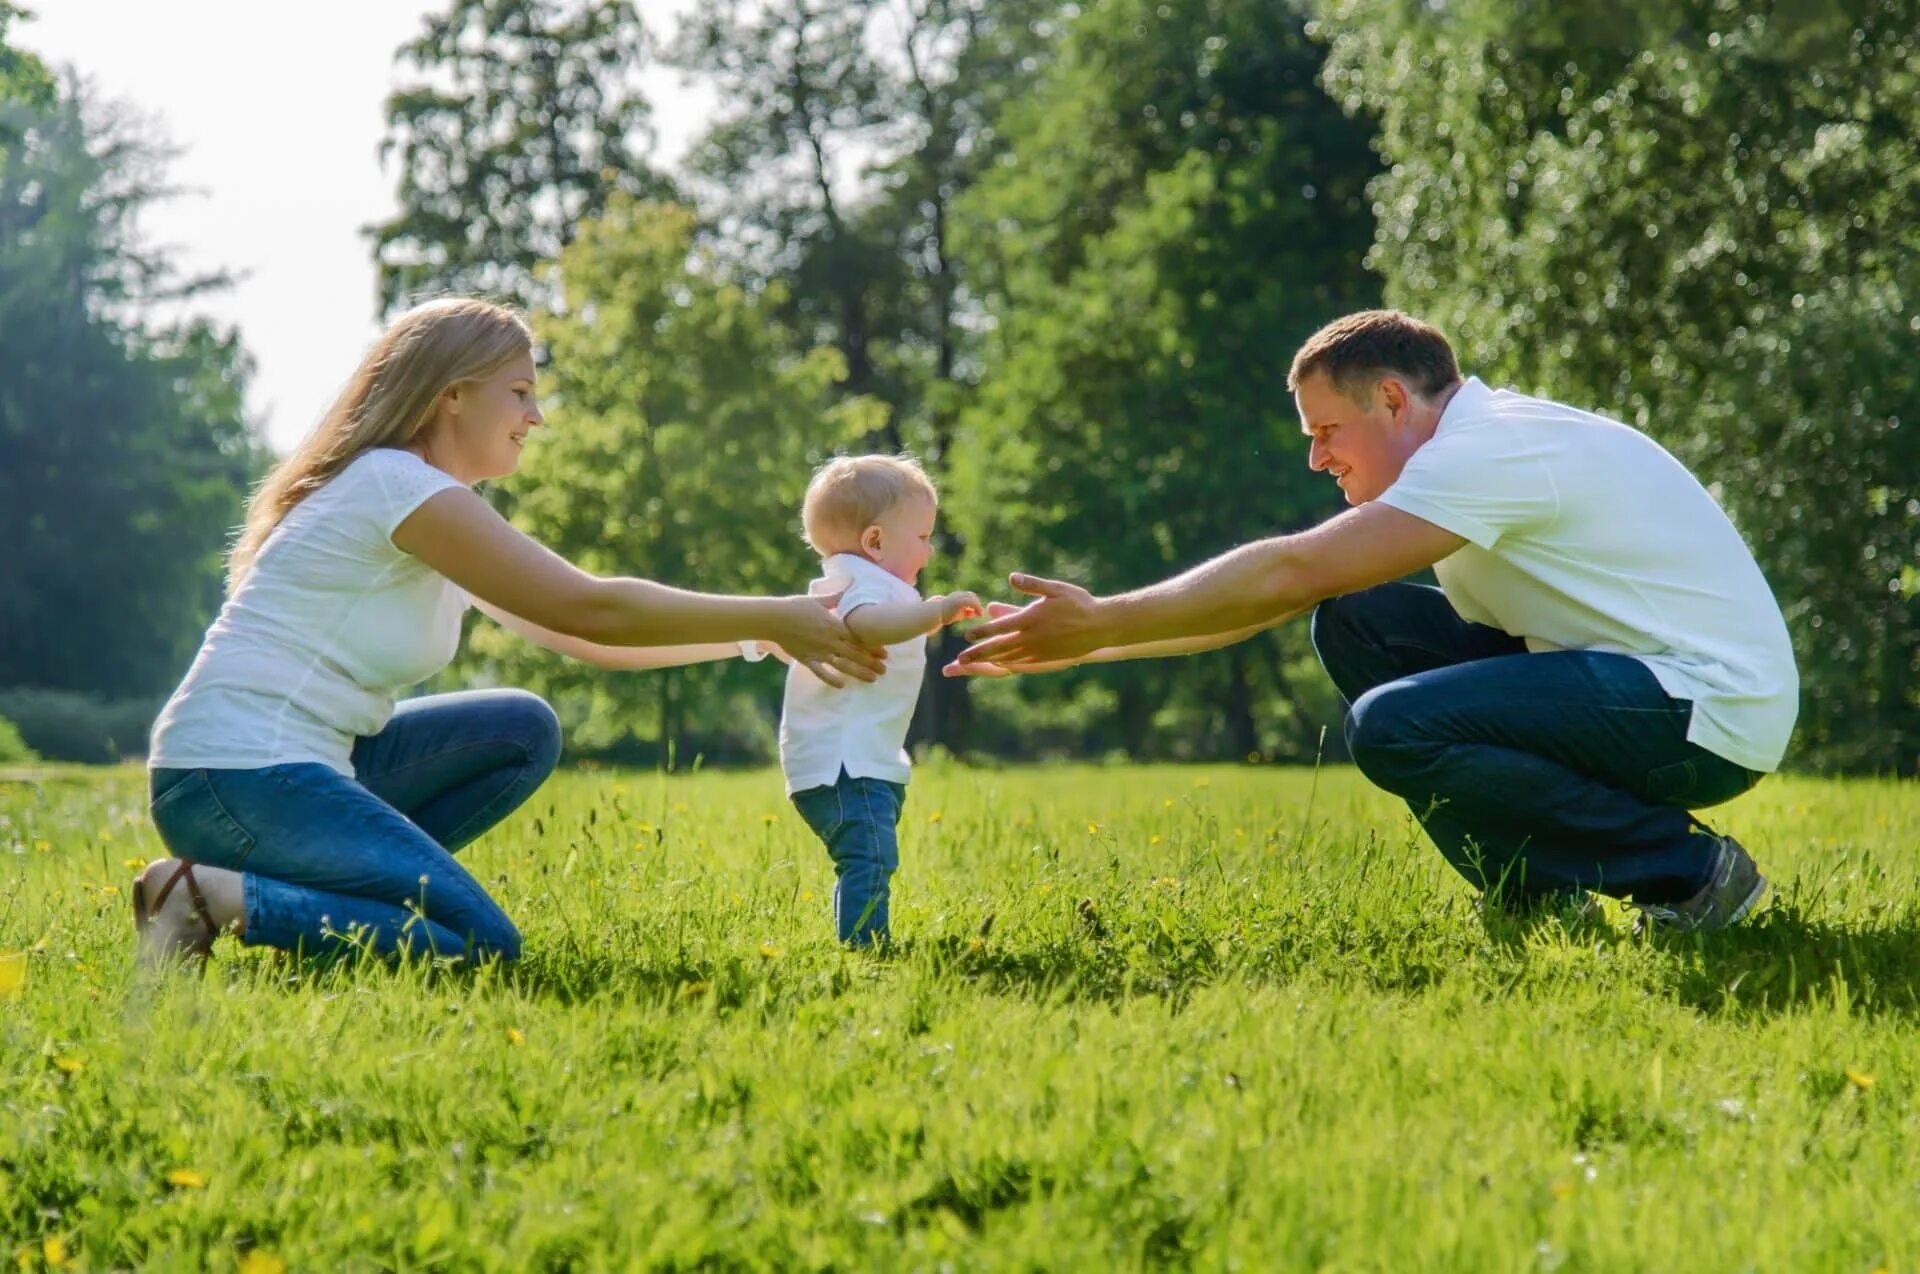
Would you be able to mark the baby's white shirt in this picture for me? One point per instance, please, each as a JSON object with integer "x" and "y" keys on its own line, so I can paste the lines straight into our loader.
{"x": 861, "y": 727}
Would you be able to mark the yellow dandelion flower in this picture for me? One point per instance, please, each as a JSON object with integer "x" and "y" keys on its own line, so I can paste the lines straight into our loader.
{"x": 1093, "y": 829}
{"x": 1561, "y": 1188}
{"x": 53, "y": 1250}
{"x": 770, "y": 952}
{"x": 186, "y": 1179}
{"x": 262, "y": 1263}
{"x": 935, "y": 816}
{"x": 13, "y": 973}
{"x": 1046, "y": 889}
{"x": 1167, "y": 804}
{"x": 1859, "y": 1079}
{"x": 1153, "y": 840}
{"x": 43, "y": 845}
{"x": 806, "y": 895}
{"x": 134, "y": 864}
{"x": 516, "y": 1036}
{"x": 767, "y": 819}
{"x": 68, "y": 1065}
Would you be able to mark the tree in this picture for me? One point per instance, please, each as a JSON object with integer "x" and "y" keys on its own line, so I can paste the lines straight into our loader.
{"x": 685, "y": 424}
{"x": 523, "y": 121}
{"x": 1694, "y": 216}
{"x": 849, "y": 132}
{"x": 128, "y": 450}
{"x": 1178, "y": 207}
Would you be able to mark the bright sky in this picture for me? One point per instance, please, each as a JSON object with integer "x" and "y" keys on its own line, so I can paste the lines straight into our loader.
{"x": 279, "y": 113}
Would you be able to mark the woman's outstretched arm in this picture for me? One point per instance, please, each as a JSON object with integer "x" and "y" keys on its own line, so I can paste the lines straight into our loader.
{"x": 464, "y": 538}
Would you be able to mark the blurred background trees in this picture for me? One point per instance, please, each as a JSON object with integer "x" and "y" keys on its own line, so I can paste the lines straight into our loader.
{"x": 1064, "y": 254}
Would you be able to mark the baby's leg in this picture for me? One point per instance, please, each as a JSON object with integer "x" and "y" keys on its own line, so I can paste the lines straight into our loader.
{"x": 859, "y": 821}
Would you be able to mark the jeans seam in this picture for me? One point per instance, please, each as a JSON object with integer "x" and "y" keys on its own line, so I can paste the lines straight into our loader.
{"x": 521, "y": 771}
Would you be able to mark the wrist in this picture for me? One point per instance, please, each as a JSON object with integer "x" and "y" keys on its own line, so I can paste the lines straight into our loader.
{"x": 1109, "y": 618}
{"x": 766, "y": 620}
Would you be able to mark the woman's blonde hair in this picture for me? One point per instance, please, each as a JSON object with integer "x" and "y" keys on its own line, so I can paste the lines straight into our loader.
{"x": 428, "y": 350}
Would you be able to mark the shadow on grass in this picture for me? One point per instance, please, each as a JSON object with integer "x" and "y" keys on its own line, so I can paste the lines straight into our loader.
{"x": 1782, "y": 961}
{"x": 1785, "y": 960}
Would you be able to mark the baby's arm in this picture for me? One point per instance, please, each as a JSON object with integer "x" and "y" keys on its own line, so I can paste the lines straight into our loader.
{"x": 884, "y": 623}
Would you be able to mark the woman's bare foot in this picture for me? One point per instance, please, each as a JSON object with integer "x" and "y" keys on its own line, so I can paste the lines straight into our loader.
{"x": 179, "y": 908}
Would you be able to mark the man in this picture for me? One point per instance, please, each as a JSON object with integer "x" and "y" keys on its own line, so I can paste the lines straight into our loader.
{"x": 1602, "y": 654}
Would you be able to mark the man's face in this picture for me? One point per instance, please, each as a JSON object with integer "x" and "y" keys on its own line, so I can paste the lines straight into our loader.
{"x": 1364, "y": 445}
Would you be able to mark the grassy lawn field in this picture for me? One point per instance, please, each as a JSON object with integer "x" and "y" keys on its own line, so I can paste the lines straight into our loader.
{"x": 1140, "y": 1017}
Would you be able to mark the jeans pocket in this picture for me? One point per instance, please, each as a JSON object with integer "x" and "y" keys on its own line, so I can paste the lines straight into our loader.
{"x": 1673, "y": 784}
{"x": 196, "y": 826}
{"x": 822, "y": 810}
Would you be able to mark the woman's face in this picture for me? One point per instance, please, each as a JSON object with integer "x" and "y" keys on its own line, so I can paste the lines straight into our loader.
{"x": 482, "y": 425}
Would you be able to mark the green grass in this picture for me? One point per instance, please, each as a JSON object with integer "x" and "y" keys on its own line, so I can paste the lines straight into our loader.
{"x": 1275, "y": 1035}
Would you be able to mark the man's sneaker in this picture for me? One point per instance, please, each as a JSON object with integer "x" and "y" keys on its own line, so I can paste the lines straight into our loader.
{"x": 1730, "y": 893}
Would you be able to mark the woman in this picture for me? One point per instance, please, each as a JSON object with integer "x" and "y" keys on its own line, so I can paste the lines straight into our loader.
{"x": 302, "y": 806}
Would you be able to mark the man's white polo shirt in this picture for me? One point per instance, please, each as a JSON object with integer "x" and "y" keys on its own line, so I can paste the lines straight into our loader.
{"x": 1584, "y": 534}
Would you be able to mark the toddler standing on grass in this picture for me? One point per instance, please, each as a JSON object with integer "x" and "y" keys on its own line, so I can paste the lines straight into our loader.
{"x": 870, "y": 518}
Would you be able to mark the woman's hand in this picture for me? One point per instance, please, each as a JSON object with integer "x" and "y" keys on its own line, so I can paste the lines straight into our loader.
{"x": 807, "y": 629}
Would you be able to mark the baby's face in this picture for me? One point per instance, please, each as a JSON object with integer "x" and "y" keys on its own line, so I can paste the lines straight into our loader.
{"x": 901, "y": 541}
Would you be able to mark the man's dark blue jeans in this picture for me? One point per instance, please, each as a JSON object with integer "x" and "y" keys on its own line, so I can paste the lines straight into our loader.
{"x": 1535, "y": 774}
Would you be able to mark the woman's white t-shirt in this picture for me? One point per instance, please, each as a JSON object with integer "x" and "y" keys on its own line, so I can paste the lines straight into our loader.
{"x": 330, "y": 624}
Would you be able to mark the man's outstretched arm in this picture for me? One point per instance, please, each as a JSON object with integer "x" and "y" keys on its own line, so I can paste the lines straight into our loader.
{"x": 1250, "y": 588}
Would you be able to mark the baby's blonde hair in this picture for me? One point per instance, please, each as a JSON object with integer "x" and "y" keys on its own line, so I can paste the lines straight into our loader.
{"x": 848, "y": 494}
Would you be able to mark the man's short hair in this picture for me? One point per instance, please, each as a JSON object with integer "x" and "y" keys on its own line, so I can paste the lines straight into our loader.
{"x": 848, "y": 494}
{"x": 1356, "y": 351}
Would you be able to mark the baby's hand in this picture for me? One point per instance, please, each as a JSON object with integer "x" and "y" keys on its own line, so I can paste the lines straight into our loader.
{"x": 958, "y": 606}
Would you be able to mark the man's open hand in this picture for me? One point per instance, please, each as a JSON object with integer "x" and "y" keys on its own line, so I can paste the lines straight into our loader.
{"x": 1062, "y": 624}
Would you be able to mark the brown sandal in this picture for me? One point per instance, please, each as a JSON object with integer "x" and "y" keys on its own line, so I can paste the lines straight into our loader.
{"x": 143, "y": 914}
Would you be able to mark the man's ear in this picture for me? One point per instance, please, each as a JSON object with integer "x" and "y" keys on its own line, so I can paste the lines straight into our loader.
{"x": 1393, "y": 393}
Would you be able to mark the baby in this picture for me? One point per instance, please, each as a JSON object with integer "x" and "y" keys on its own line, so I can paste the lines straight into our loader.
{"x": 870, "y": 518}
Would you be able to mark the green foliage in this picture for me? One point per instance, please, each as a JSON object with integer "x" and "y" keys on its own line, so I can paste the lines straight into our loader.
{"x": 127, "y": 447}
{"x": 1178, "y": 206}
{"x": 13, "y": 748}
{"x": 1695, "y": 216}
{"x": 1141, "y": 1018}
{"x": 847, "y": 135}
{"x": 69, "y": 725}
{"x": 684, "y": 426}
{"x": 521, "y": 120}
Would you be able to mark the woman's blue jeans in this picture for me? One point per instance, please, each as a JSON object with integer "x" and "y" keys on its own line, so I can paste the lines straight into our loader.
{"x": 327, "y": 859}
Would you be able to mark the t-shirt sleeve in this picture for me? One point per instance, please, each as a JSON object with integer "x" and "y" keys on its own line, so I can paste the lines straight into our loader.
{"x": 1480, "y": 484}
{"x": 863, "y": 588}
{"x": 399, "y": 482}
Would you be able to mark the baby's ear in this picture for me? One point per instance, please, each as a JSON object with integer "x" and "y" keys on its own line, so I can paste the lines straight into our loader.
{"x": 870, "y": 539}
